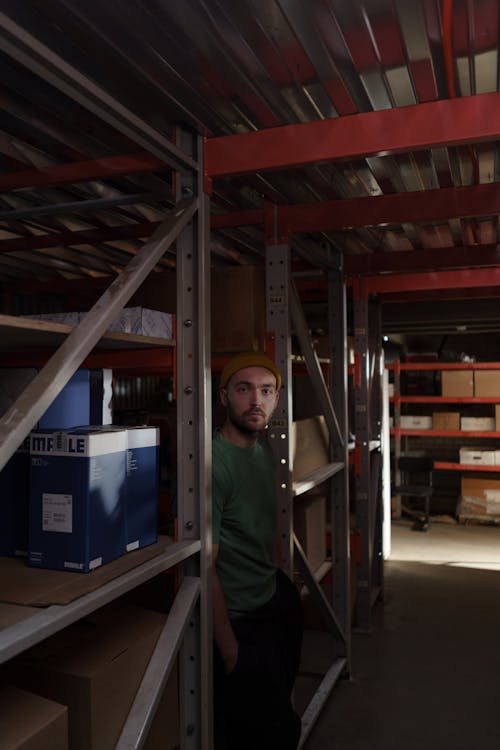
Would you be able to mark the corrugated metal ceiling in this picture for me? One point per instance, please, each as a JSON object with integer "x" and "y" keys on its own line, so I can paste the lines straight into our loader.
{"x": 221, "y": 68}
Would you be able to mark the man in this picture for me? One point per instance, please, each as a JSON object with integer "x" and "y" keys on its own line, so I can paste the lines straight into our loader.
{"x": 257, "y": 610}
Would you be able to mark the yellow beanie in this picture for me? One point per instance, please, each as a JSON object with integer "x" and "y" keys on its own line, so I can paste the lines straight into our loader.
{"x": 249, "y": 359}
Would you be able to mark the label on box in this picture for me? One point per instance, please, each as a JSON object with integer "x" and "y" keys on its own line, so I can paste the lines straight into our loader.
{"x": 57, "y": 513}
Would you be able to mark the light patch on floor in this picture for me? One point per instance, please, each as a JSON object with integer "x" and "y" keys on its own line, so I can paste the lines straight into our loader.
{"x": 456, "y": 545}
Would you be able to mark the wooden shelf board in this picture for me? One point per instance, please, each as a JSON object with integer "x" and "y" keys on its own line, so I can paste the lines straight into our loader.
{"x": 22, "y": 334}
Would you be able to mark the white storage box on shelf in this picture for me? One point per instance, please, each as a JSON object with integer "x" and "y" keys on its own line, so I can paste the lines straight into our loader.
{"x": 143, "y": 322}
{"x": 409, "y": 422}
{"x": 478, "y": 424}
{"x": 141, "y": 510}
{"x": 141, "y": 486}
{"x": 77, "y": 498}
{"x": 138, "y": 320}
{"x": 477, "y": 456}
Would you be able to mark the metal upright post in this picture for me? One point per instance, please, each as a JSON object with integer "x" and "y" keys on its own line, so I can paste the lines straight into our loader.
{"x": 283, "y": 308}
{"x": 278, "y": 321}
{"x": 363, "y": 492}
{"x": 194, "y": 451}
{"x": 375, "y": 418}
{"x": 339, "y": 484}
{"x": 367, "y": 398}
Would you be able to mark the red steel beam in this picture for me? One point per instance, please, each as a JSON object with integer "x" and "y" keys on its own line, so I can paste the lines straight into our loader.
{"x": 80, "y": 171}
{"x": 438, "y": 280}
{"x": 450, "y": 122}
{"x": 419, "y": 206}
{"x": 423, "y": 260}
{"x": 237, "y": 219}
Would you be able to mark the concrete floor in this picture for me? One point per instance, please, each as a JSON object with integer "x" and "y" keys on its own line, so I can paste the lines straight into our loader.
{"x": 428, "y": 676}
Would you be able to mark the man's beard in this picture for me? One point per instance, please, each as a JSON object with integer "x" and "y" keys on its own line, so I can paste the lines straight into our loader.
{"x": 241, "y": 425}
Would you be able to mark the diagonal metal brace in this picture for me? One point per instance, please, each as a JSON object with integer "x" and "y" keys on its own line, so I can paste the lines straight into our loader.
{"x": 23, "y": 415}
{"x": 316, "y": 591}
{"x": 313, "y": 366}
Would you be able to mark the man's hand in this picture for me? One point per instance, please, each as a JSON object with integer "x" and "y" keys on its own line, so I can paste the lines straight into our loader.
{"x": 224, "y": 636}
{"x": 230, "y": 658}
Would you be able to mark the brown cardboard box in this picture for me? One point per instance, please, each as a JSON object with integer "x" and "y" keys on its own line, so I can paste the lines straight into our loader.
{"x": 480, "y": 496}
{"x": 457, "y": 383}
{"x": 238, "y": 305}
{"x": 497, "y": 417}
{"x": 95, "y": 669}
{"x": 487, "y": 383}
{"x": 30, "y": 722}
{"x": 238, "y": 309}
{"x": 446, "y": 420}
{"x": 309, "y": 514}
{"x": 310, "y": 446}
{"x": 164, "y": 733}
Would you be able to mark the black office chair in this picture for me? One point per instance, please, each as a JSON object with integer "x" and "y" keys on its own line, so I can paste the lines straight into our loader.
{"x": 409, "y": 466}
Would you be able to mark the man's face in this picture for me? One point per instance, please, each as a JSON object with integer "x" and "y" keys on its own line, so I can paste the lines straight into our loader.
{"x": 250, "y": 398}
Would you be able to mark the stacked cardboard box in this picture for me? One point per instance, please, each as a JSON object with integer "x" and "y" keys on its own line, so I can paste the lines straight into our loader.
{"x": 309, "y": 445}
{"x": 95, "y": 668}
{"x": 480, "y": 497}
{"x": 446, "y": 420}
{"x": 457, "y": 383}
{"x": 309, "y": 515}
{"x": 30, "y": 722}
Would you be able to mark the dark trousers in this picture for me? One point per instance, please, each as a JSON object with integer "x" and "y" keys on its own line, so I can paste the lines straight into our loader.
{"x": 253, "y": 709}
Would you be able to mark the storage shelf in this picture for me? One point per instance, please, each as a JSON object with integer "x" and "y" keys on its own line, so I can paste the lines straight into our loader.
{"x": 316, "y": 477}
{"x": 446, "y": 466}
{"x": 406, "y": 366}
{"x": 49, "y": 620}
{"x": 29, "y": 343}
{"x": 446, "y": 433}
{"x": 445, "y": 399}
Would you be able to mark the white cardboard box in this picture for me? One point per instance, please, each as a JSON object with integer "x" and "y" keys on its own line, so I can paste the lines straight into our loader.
{"x": 139, "y": 320}
{"x": 481, "y": 424}
{"x": 482, "y": 457}
{"x": 416, "y": 423}
{"x": 143, "y": 322}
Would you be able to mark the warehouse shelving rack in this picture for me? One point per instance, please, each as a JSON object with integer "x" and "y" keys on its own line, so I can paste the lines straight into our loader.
{"x": 398, "y": 433}
{"x": 188, "y": 630}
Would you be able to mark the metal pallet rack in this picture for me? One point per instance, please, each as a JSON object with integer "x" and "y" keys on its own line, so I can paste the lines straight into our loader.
{"x": 398, "y": 433}
{"x": 284, "y": 310}
{"x": 367, "y": 389}
{"x": 188, "y": 630}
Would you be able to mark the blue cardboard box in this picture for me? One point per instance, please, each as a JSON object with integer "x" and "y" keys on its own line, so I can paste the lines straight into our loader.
{"x": 14, "y": 502}
{"x": 84, "y": 400}
{"x": 141, "y": 515}
{"x": 77, "y": 498}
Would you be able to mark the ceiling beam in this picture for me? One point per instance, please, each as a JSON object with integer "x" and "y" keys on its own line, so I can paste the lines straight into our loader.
{"x": 395, "y": 208}
{"x": 79, "y": 237}
{"x": 451, "y": 122}
{"x": 108, "y": 166}
{"x": 438, "y": 280}
{"x": 426, "y": 259}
